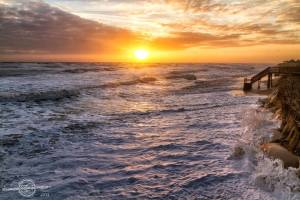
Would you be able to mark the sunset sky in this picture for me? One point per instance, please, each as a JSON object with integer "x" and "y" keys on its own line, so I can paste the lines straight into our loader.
{"x": 171, "y": 30}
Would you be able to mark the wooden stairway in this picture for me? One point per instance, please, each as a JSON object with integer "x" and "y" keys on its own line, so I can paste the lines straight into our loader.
{"x": 269, "y": 71}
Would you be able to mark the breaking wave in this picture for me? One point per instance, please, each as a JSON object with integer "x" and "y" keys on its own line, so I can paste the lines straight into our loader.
{"x": 128, "y": 83}
{"x": 53, "y": 95}
{"x": 267, "y": 174}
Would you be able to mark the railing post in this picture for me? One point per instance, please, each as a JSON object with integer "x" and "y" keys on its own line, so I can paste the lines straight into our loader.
{"x": 247, "y": 85}
{"x": 269, "y": 80}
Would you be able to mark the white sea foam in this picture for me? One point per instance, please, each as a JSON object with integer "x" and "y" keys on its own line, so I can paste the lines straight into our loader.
{"x": 269, "y": 176}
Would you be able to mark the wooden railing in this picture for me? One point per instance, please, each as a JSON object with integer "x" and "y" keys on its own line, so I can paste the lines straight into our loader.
{"x": 261, "y": 74}
{"x": 286, "y": 70}
{"x": 269, "y": 71}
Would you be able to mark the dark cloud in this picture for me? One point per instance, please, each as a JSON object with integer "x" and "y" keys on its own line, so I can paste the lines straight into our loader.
{"x": 36, "y": 27}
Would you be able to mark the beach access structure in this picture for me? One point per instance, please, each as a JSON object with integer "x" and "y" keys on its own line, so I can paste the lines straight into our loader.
{"x": 281, "y": 69}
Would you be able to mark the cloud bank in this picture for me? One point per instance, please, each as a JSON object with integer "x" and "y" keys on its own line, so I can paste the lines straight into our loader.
{"x": 109, "y": 26}
{"x": 36, "y": 27}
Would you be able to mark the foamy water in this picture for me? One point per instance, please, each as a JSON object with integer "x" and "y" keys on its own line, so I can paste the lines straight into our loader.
{"x": 125, "y": 131}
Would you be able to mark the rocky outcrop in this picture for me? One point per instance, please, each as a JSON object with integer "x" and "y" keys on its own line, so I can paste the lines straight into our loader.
{"x": 276, "y": 151}
{"x": 284, "y": 101}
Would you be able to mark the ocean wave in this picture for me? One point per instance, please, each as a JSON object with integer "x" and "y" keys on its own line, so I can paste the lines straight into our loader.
{"x": 165, "y": 147}
{"x": 189, "y": 77}
{"x": 81, "y": 70}
{"x": 10, "y": 140}
{"x": 209, "y": 84}
{"x": 207, "y": 145}
{"x": 164, "y": 151}
{"x": 120, "y": 116}
{"x": 210, "y": 179}
{"x": 52, "y": 95}
{"x": 15, "y": 72}
{"x": 80, "y": 126}
{"x": 116, "y": 182}
{"x": 134, "y": 114}
{"x": 55, "y": 95}
{"x": 143, "y": 80}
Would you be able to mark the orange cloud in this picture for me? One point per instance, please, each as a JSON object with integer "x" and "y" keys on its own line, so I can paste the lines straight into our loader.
{"x": 37, "y": 29}
{"x": 184, "y": 40}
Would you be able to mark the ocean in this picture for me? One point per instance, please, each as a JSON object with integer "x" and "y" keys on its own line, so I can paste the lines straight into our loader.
{"x": 136, "y": 131}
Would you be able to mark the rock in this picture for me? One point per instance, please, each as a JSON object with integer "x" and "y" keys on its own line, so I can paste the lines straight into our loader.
{"x": 276, "y": 151}
{"x": 237, "y": 153}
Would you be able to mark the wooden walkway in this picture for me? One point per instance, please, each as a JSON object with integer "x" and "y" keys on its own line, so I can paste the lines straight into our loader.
{"x": 270, "y": 71}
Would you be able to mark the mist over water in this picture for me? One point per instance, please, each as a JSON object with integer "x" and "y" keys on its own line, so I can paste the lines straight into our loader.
{"x": 129, "y": 131}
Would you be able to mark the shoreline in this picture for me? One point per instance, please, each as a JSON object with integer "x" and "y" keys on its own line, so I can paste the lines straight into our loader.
{"x": 284, "y": 102}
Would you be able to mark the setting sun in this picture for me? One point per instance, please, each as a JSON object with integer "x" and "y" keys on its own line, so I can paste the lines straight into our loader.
{"x": 141, "y": 54}
{"x": 121, "y": 96}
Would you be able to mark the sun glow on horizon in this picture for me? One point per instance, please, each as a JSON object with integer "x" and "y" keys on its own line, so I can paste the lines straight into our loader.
{"x": 141, "y": 54}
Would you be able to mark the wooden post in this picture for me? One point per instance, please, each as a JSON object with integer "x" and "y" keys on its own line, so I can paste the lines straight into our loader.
{"x": 247, "y": 85}
{"x": 269, "y": 80}
{"x": 258, "y": 84}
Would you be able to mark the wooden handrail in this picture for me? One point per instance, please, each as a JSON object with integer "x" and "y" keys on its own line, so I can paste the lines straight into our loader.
{"x": 269, "y": 71}
{"x": 285, "y": 70}
{"x": 261, "y": 74}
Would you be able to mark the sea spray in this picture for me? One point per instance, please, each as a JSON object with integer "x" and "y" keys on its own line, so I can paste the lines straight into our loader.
{"x": 270, "y": 175}
{"x": 257, "y": 130}
{"x": 258, "y": 126}
{"x": 267, "y": 174}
